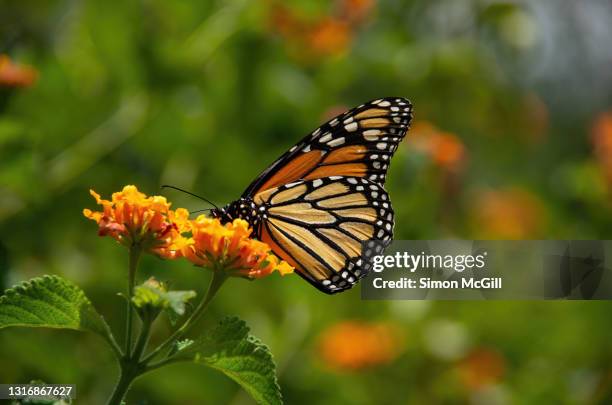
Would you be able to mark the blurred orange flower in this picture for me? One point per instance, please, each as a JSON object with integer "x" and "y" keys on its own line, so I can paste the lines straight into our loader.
{"x": 356, "y": 11}
{"x": 329, "y": 35}
{"x": 601, "y": 135}
{"x": 228, "y": 248}
{"x": 355, "y": 345}
{"x": 15, "y": 75}
{"x": 445, "y": 149}
{"x": 285, "y": 21}
{"x": 480, "y": 368}
{"x": 132, "y": 218}
{"x": 511, "y": 213}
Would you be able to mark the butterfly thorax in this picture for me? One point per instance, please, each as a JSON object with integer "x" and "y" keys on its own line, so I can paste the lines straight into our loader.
{"x": 244, "y": 208}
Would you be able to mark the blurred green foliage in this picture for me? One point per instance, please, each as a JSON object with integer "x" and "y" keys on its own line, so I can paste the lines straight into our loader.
{"x": 203, "y": 95}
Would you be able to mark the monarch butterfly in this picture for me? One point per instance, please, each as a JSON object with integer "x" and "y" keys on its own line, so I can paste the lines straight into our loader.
{"x": 318, "y": 203}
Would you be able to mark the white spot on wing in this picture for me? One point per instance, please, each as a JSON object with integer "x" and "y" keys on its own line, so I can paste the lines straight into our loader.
{"x": 352, "y": 127}
{"x": 325, "y": 137}
{"x": 336, "y": 142}
{"x": 371, "y": 134}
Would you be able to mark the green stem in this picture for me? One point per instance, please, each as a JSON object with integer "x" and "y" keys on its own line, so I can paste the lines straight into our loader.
{"x": 216, "y": 282}
{"x": 154, "y": 366}
{"x": 143, "y": 338}
{"x": 126, "y": 378}
{"x": 133, "y": 265}
{"x": 130, "y": 369}
{"x": 114, "y": 346}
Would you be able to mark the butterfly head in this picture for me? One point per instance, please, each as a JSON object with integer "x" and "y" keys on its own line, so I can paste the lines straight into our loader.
{"x": 221, "y": 214}
{"x": 244, "y": 208}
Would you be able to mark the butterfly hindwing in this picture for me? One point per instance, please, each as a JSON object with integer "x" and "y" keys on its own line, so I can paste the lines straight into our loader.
{"x": 319, "y": 226}
{"x": 358, "y": 143}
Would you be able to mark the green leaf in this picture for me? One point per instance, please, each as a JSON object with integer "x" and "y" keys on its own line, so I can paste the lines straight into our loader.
{"x": 154, "y": 294}
{"x": 231, "y": 349}
{"x": 51, "y": 302}
{"x": 178, "y": 299}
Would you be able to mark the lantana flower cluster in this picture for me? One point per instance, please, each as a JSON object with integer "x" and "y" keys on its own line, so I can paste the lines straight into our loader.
{"x": 134, "y": 219}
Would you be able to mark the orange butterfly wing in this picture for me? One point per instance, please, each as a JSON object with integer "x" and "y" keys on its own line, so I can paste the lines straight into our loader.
{"x": 320, "y": 226}
{"x": 358, "y": 143}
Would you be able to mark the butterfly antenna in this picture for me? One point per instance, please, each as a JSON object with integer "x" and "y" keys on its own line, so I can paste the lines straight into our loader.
{"x": 192, "y": 194}
{"x": 197, "y": 211}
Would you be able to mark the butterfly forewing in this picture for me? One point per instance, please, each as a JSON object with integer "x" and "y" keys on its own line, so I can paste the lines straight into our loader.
{"x": 319, "y": 226}
{"x": 358, "y": 143}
